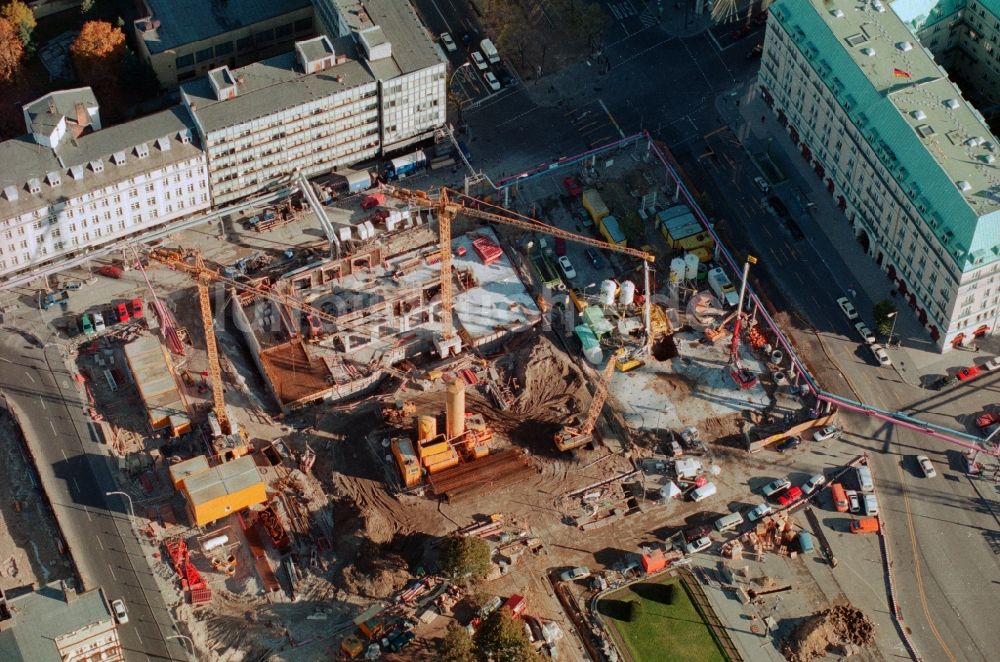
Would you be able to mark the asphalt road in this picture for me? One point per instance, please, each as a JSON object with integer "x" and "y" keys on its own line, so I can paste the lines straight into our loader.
{"x": 944, "y": 532}
{"x": 76, "y": 476}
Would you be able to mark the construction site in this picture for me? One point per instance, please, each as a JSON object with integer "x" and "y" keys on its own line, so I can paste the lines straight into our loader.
{"x": 318, "y": 393}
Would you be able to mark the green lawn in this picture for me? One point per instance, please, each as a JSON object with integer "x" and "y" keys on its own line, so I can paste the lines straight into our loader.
{"x": 670, "y": 628}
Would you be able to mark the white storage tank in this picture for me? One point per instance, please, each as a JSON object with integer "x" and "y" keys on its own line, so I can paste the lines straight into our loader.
{"x": 691, "y": 263}
{"x": 677, "y": 269}
{"x": 608, "y": 290}
{"x": 627, "y": 295}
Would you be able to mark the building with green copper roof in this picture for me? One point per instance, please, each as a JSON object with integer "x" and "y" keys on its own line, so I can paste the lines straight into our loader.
{"x": 908, "y": 159}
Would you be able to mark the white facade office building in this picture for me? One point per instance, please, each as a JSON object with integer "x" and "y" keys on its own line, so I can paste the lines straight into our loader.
{"x": 910, "y": 162}
{"x": 70, "y": 186}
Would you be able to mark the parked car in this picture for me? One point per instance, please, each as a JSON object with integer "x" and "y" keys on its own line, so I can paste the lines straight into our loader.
{"x": 595, "y": 258}
{"x": 477, "y": 59}
{"x": 943, "y": 381}
{"x": 865, "y": 332}
{"x": 814, "y": 483}
{"x": 579, "y": 572}
{"x": 855, "y": 501}
{"x": 698, "y": 545}
{"x": 926, "y": 467}
{"x": 560, "y": 246}
{"x": 826, "y": 433}
{"x": 758, "y": 511}
{"x": 118, "y": 606}
{"x": 448, "y": 42}
{"x": 788, "y": 444}
{"x": 98, "y": 322}
{"x": 882, "y": 356}
{"x": 86, "y": 324}
{"x": 572, "y": 186}
{"x": 870, "y": 504}
{"x": 121, "y": 311}
{"x": 135, "y": 307}
{"x": 848, "y": 308}
{"x": 566, "y": 267}
{"x": 762, "y": 184}
{"x": 864, "y": 525}
{"x": 110, "y": 271}
{"x": 791, "y": 496}
{"x": 775, "y": 487}
{"x": 967, "y": 373}
{"x": 492, "y": 81}
{"x": 992, "y": 364}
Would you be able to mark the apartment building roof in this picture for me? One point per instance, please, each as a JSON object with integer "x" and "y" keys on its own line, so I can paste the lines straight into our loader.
{"x": 43, "y": 616}
{"x": 182, "y": 22}
{"x": 936, "y": 146}
{"x": 270, "y": 86}
{"x": 412, "y": 47}
{"x": 47, "y": 110}
{"x": 69, "y": 170}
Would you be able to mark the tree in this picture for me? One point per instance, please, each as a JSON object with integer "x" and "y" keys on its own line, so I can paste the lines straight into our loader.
{"x": 634, "y": 610}
{"x": 465, "y": 557}
{"x": 883, "y": 320}
{"x": 457, "y": 646}
{"x": 98, "y": 52}
{"x": 86, "y": 6}
{"x": 19, "y": 15}
{"x": 11, "y": 52}
{"x": 501, "y": 638}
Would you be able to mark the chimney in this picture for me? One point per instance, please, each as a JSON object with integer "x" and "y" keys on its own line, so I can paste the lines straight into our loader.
{"x": 52, "y": 106}
{"x": 82, "y": 118}
{"x": 69, "y": 593}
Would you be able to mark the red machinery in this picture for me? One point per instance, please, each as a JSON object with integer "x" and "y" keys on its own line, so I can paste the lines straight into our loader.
{"x": 192, "y": 583}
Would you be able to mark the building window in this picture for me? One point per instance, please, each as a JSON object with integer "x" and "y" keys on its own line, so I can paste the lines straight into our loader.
{"x": 205, "y": 54}
{"x": 221, "y": 50}
{"x": 245, "y": 44}
{"x": 263, "y": 37}
{"x": 283, "y": 31}
{"x": 303, "y": 24}
{"x": 184, "y": 61}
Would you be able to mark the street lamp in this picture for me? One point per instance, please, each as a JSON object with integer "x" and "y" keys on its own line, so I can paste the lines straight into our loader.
{"x": 457, "y": 69}
{"x": 131, "y": 511}
{"x": 893, "y": 315}
{"x": 185, "y": 638}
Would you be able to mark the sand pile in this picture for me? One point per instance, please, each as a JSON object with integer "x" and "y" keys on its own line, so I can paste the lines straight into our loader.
{"x": 831, "y": 630}
{"x": 551, "y": 386}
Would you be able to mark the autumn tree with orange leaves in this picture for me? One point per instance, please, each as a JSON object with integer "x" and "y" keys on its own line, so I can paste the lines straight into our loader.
{"x": 98, "y": 52}
{"x": 11, "y": 52}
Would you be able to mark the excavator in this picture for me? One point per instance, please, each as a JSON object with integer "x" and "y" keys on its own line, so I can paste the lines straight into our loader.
{"x": 570, "y": 437}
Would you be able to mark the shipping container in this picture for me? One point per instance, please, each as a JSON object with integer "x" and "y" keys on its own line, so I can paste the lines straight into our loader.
{"x": 612, "y": 231}
{"x": 406, "y": 165}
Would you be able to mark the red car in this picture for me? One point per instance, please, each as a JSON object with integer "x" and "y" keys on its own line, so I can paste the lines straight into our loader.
{"x": 572, "y": 186}
{"x": 968, "y": 373}
{"x": 110, "y": 271}
{"x": 987, "y": 419}
{"x": 560, "y": 246}
{"x": 791, "y": 496}
{"x": 121, "y": 311}
{"x": 135, "y": 307}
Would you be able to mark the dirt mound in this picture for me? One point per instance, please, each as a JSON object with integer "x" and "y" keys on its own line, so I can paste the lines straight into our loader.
{"x": 377, "y": 526}
{"x": 377, "y": 574}
{"x": 831, "y": 630}
{"x": 676, "y": 387}
{"x": 552, "y": 386}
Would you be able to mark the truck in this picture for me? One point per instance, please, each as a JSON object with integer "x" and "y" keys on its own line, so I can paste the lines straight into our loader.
{"x": 723, "y": 288}
{"x": 612, "y": 231}
{"x": 490, "y": 51}
{"x": 548, "y": 276}
{"x": 594, "y": 204}
{"x": 406, "y": 165}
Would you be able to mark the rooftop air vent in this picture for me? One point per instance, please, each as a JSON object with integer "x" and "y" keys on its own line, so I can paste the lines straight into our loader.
{"x": 837, "y": 13}
{"x": 870, "y": 52}
{"x": 987, "y": 158}
{"x": 951, "y": 103}
{"x": 878, "y": 6}
{"x": 904, "y": 46}
{"x": 918, "y": 115}
{"x": 964, "y": 185}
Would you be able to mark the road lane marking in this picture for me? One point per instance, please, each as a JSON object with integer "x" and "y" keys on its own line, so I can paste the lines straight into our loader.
{"x": 28, "y": 375}
{"x": 42, "y": 402}
{"x": 53, "y": 426}
{"x": 99, "y": 543}
{"x": 916, "y": 564}
{"x": 112, "y": 572}
{"x": 76, "y": 485}
{"x": 87, "y": 510}
{"x": 139, "y": 635}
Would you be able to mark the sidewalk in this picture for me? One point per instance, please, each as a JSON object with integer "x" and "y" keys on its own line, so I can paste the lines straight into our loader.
{"x": 827, "y": 228}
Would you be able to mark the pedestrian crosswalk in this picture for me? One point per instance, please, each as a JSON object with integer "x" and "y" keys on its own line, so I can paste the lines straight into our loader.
{"x": 622, "y": 10}
{"x": 648, "y": 18}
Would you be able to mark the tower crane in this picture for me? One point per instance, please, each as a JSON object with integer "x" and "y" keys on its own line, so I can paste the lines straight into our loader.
{"x": 449, "y": 203}
{"x": 211, "y": 348}
{"x": 743, "y": 377}
{"x": 570, "y": 437}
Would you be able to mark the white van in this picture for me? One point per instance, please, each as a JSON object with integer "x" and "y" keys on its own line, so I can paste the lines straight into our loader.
{"x": 703, "y": 492}
{"x": 490, "y": 51}
{"x": 871, "y": 505}
{"x": 729, "y": 522}
{"x": 865, "y": 482}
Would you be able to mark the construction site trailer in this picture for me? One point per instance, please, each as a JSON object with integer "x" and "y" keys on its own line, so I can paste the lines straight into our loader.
{"x": 223, "y": 490}
{"x": 594, "y": 204}
{"x": 183, "y": 470}
{"x": 612, "y": 231}
{"x": 358, "y": 180}
{"x": 157, "y": 385}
